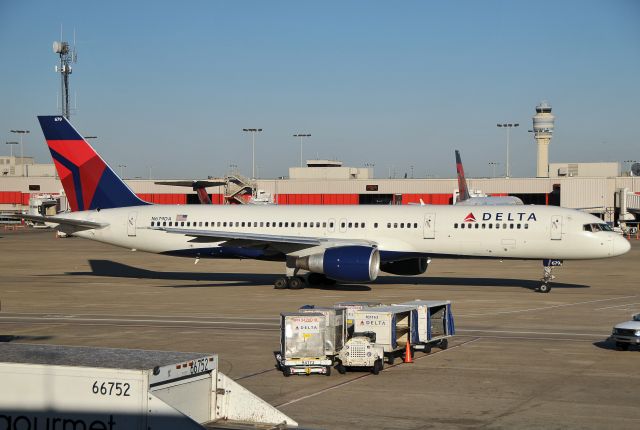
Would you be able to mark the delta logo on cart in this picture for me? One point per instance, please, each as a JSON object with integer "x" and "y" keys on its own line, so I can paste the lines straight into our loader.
{"x": 470, "y": 218}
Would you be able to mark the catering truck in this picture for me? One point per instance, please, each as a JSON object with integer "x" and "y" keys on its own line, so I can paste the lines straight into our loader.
{"x": 62, "y": 387}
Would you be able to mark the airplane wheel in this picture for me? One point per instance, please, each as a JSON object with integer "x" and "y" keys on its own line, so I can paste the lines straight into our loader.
{"x": 444, "y": 344}
{"x": 544, "y": 288}
{"x": 427, "y": 348}
{"x": 296, "y": 283}
{"x": 280, "y": 284}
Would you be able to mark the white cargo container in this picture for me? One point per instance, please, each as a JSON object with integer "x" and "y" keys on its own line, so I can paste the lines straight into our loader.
{"x": 392, "y": 325}
{"x": 434, "y": 323}
{"x": 335, "y": 327}
{"x": 46, "y": 386}
{"x": 351, "y": 307}
{"x": 302, "y": 344}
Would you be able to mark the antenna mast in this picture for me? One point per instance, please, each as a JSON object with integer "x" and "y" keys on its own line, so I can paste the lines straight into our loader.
{"x": 67, "y": 55}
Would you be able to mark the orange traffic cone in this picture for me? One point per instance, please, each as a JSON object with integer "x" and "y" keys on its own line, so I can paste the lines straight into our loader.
{"x": 407, "y": 354}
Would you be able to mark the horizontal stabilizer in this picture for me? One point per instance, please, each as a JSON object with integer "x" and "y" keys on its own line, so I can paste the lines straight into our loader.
{"x": 60, "y": 220}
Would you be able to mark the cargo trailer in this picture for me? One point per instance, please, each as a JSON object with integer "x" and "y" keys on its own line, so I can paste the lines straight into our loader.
{"x": 351, "y": 307}
{"x": 435, "y": 323}
{"x": 394, "y": 326}
{"x": 302, "y": 344}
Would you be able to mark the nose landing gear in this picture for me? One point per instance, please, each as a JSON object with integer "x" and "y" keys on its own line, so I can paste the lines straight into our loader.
{"x": 548, "y": 275}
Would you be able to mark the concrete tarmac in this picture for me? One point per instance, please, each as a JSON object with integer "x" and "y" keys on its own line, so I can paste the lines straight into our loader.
{"x": 520, "y": 360}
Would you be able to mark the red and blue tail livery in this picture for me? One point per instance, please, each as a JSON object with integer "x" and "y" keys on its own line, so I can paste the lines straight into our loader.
{"x": 87, "y": 180}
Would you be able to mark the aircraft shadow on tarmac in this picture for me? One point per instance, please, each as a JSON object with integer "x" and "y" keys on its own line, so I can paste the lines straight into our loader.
{"x": 205, "y": 279}
{"x": 12, "y": 338}
{"x": 209, "y": 279}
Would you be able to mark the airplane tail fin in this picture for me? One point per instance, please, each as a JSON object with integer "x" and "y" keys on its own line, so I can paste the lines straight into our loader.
{"x": 88, "y": 181}
{"x": 463, "y": 190}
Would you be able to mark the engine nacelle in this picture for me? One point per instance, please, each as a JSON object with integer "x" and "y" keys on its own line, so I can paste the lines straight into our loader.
{"x": 412, "y": 266}
{"x": 344, "y": 263}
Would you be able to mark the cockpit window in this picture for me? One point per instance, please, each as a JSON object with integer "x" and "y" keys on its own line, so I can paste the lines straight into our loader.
{"x": 597, "y": 227}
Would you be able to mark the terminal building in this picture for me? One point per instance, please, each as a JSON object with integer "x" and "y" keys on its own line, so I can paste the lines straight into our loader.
{"x": 599, "y": 188}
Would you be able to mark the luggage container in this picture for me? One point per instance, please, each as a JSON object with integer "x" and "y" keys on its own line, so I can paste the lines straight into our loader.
{"x": 334, "y": 329}
{"x": 351, "y": 307}
{"x": 302, "y": 344}
{"x": 106, "y": 388}
{"x": 393, "y": 326}
{"x": 434, "y": 323}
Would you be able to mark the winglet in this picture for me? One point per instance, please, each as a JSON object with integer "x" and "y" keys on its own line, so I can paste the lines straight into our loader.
{"x": 463, "y": 190}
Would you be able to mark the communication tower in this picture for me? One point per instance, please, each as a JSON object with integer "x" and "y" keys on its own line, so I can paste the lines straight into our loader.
{"x": 67, "y": 55}
{"x": 543, "y": 123}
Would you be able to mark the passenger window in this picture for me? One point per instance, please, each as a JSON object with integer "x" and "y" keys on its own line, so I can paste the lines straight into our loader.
{"x": 455, "y": 225}
{"x": 470, "y": 225}
{"x": 484, "y": 225}
{"x": 490, "y": 226}
{"x": 511, "y": 226}
{"x": 200, "y": 224}
{"x": 189, "y": 223}
{"x": 164, "y": 223}
{"x": 504, "y": 225}
{"x": 526, "y": 226}
{"x": 151, "y": 223}
{"x": 497, "y": 225}
{"x": 375, "y": 225}
{"x": 224, "y": 224}
{"x": 324, "y": 225}
{"x": 362, "y": 225}
{"x": 518, "y": 226}
{"x": 461, "y": 225}
{"x": 395, "y": 225}
{"x": 350, "y": 225}
{"x": 401, "y": 225}
{"x": 415, "y": 225}
{"x": 280, "y": 224}
{"x": 477, "y": 226}
{"x": 304, "y": 225}
{"x": 218, "y": 223}
{"x": 286, "y": 224}
{"x": 318, "y": 224}
{"x": 330, "y": 225}
{"x": 242, "y": 223}
{"x": 388, "y": 225}
{"x": 206, "y": 224}
{"x": 342, "y": 225}
{"x": 261, "y": 223}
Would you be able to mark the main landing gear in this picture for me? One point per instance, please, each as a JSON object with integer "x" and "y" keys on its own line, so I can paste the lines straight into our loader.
{"x": 294, "y": 282}
{"x": 548, "y": 275}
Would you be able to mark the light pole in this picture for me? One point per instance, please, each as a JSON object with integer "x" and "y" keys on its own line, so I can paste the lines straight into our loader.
{"x": 121, "y": 167}
{"x": 11, "y": 146}
{"x": 507, "y": 170}
{"x": 493, "y": 164}
{"x": 21, "y": 133}
{"x": 301, "y": 135}
{"x": 253, "y": 132}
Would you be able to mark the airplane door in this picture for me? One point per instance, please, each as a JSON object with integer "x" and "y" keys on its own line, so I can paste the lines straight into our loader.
{"x": 556, "y": 227}
{"x": 131, "y": 223}
{"x": 429, "y": 229}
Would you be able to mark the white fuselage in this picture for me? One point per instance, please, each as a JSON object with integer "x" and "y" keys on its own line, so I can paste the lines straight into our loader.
{"x": 521, "y": 231}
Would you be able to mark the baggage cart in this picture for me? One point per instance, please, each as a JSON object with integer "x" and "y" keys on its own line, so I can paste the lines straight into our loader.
{"x": 435, "y": 323}
{"x": 351, "y": 307}
{"x": 335, "y": 327}
{"x": 393, "y": 326}
{"x": 302, "y": 344}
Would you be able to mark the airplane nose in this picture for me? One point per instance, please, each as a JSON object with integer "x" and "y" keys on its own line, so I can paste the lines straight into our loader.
{"x": 621, "y": 245}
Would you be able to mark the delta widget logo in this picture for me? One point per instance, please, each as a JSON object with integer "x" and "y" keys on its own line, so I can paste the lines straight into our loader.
{"x": 470, "y": 218}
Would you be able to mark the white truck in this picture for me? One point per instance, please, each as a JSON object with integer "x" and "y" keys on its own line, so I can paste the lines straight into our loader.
{"x": 361, "y": 351}
{"x": 106, "y": 388}
{"x": 627, "y": 333}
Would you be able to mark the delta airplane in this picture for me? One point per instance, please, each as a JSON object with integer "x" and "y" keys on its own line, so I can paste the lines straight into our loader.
{"x": 332, "y": 243}
{"x": 465, "y": 199}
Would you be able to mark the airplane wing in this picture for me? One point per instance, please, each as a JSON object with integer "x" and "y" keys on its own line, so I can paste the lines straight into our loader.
{"x": 281, "y": 243}
{"x": 78, "y": 223}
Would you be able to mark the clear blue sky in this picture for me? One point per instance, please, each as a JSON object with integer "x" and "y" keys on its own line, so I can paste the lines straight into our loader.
{"x": 171, "y": 84}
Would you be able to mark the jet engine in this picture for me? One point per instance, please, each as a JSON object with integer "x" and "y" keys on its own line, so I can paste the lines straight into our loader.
{"x": 411, "y": 266}
{"x": 344, "y": 263}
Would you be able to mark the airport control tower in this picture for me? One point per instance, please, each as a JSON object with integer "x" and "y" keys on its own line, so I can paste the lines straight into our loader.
{"x": 543, "y": 122}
